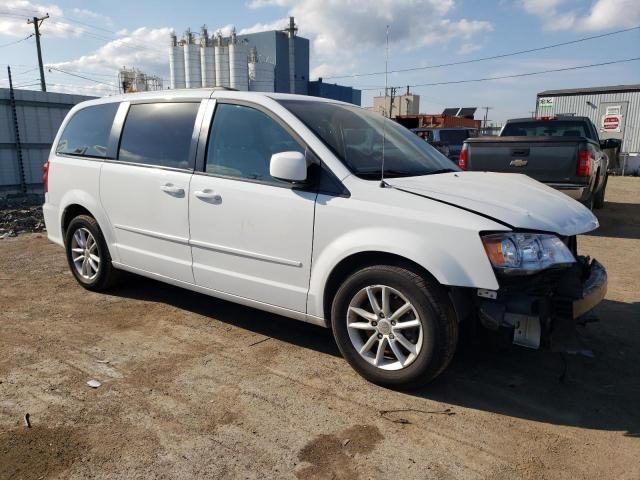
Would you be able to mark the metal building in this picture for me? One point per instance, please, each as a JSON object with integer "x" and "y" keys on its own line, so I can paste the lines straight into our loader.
{"x": 275, "y": 46}
{"x": 615, "y": 111}
{"x": 334, "y": 91}
{"x": 392, "y": 106}
{"x": 25, "y": 146}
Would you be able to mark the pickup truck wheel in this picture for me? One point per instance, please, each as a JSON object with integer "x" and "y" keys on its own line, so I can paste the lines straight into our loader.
{"x": 88, "y": 255}
{"x": 598, "y": 201}
{"x": 394, "y": 327}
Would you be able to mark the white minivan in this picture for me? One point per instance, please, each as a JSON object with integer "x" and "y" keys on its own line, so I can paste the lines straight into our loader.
{"x": 323, "y": 212}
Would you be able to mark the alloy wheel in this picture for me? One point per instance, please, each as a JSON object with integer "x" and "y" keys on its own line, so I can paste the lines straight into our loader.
{"x": 85, "y": 254}
{"x": 384, "y": 327}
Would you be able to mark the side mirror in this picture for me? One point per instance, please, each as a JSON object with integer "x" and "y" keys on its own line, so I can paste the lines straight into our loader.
{"x": 288, "y": 166}
{"x": 610, "y": 143}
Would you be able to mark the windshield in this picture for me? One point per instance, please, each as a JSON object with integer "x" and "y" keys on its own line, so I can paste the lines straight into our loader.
{"x": 543, "y": 128}
{"x": 356, "y": 137}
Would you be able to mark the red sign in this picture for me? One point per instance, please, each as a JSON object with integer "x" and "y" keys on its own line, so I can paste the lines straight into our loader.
{"x": 611, "y": 123}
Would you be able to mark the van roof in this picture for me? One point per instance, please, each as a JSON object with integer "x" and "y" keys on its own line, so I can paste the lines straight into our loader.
{"x": 201, "y": 93}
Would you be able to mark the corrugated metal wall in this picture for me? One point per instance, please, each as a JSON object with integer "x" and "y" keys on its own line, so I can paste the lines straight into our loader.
{"x": 587, "y": 105}
{"x": 39, "y": 117}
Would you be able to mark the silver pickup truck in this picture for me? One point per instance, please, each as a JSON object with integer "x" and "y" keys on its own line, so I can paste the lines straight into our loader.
{"x": 563, "y": 152}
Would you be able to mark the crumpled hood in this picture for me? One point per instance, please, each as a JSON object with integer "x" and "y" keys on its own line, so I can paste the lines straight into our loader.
{"x": 514, "y": 199}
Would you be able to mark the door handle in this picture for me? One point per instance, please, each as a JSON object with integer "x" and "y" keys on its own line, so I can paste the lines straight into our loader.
{"x": 171, "y": 189}
{"x": 208, "y": 195}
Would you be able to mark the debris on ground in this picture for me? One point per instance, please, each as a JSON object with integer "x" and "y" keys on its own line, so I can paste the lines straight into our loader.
{"x": 94, "y": 383}
{"x": 20, "y": 215}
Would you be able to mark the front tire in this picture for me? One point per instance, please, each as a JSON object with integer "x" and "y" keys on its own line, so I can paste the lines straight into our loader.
{"x": 394, "y": 327}
{"x": 87, "y": 254}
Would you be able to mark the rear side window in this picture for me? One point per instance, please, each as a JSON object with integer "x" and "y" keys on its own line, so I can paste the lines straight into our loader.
{"x": 159, "y": 134}
{"x": 87, "y": 133}
{"x": 242, "y": 141}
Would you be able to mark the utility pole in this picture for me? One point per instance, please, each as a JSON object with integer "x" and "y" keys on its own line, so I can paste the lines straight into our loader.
{"x": 37, "y": 21}
{"x": 393, "y": 95}
{"x": 486, "y": 115}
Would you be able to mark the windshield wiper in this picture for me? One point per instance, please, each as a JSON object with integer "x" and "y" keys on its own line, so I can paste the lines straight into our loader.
{"x": 391, "y": 173}
{"x": 442, "y": 170}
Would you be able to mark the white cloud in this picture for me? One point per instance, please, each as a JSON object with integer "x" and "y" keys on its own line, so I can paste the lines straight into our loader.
{"x": 609, "y": 14}
{"x": 343, "y": 32}
{"x": 602, "y": 15}
{"x": 143, "y": 48}
{"x": 93, "y": 16}
{"x": 540, "y": 7}
{"x": 15, "y": 13}
{"x": 467, "y": 48}
{"x": 265, "y": 27}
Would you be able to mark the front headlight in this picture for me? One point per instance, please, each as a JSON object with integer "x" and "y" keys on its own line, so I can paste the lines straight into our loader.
{"x": 525, "y": 253}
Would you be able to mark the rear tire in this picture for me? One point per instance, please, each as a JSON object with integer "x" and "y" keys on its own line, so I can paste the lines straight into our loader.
{"x": 402, "y": 342}
{"x": 87, "y": 254}
{"x": 598, "y": 201}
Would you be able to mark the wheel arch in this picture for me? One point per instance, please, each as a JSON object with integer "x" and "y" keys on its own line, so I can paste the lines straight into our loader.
{"x": 80, "y": 203}
{"x": 70, "y": 212}
{"x": 359, "y": 260}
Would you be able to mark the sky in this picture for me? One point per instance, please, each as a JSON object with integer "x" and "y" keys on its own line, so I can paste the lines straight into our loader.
{"x": 93, "y": 38}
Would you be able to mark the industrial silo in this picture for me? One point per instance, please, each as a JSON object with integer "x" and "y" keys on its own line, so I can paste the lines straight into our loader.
{"x": 176, "y": 63}
{"x": 207, "y": 60}
{"x": 238, "y": 70}
{"x": 221, "y": 61}
{"x": 193, "y": 75}
{"x": 261, "y": 73}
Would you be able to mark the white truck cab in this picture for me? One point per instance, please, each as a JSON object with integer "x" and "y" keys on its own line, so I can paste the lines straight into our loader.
{"x": 319, "y": 211}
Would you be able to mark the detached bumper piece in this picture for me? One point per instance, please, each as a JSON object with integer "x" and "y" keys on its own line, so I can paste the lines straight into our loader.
{"x": 543, "y": 310}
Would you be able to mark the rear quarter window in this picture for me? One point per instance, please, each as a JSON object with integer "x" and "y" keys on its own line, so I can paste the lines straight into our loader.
{"x": 87, "y": 133}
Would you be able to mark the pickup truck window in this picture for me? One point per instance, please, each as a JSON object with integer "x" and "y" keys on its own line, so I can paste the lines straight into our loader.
{"x": 550, "y": 128}
{"x": 356, "y": 137}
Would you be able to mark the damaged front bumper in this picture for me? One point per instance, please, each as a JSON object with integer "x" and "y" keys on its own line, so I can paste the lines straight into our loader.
{"x": 544, "y": 310}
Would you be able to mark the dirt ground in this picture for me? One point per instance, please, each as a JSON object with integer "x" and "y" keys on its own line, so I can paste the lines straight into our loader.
{"x": 197, "y": 387}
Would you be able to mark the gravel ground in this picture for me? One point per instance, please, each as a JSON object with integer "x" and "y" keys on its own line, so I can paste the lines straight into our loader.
{"x": 20, "y": 215}
{"x": 197, "y": 387}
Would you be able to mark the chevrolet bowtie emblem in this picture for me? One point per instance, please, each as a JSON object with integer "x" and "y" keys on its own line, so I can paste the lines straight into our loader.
{"x": 518, "y": 162}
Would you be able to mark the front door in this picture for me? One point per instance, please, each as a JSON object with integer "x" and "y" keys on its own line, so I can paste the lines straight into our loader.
{"x": 145, "y": 192}
{"x": 251, "y": 235}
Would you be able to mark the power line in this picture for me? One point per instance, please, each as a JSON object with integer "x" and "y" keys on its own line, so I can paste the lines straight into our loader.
{"x": 17, "y": 41}
{"x": 81, "y": 76}
{"x": 518, "y": 75}
{"x": 32, "y": 84}
{"x": 493, "y": 57}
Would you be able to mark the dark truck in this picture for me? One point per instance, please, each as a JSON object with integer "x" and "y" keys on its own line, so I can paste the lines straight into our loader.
{"x": 563, "y": 152}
